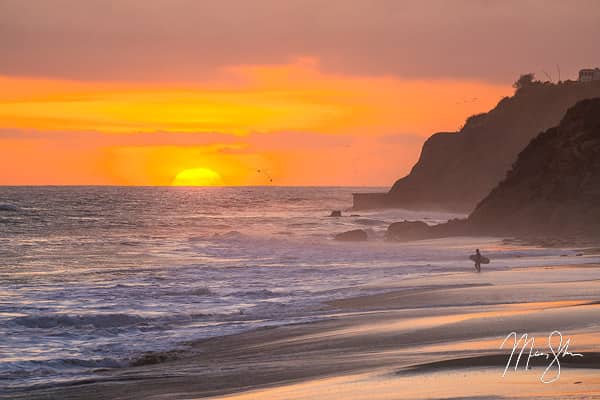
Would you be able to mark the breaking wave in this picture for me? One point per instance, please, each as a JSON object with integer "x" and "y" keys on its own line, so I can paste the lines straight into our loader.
{"x": 78, "y": 321}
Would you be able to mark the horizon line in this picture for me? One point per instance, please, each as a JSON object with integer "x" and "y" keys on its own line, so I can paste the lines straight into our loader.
{"x": 193, "y": 186}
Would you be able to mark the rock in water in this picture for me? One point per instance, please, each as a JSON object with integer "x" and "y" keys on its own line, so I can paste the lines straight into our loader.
{"x": 357, "y": 235}
{"x": 407, "y": 230}
{"x": 336, "y": 213}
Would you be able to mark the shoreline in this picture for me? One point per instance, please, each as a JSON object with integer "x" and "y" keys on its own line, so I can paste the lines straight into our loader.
{"x": 442, "y": 320}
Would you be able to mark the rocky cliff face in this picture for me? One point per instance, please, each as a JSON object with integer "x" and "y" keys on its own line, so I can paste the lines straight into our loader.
{"x": 456, "y": 170}
{"x": 552, "y": 190}
{"x": 554, "y": 186}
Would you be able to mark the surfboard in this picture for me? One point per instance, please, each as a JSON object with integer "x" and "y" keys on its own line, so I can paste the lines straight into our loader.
{"x": 482, "y": 260}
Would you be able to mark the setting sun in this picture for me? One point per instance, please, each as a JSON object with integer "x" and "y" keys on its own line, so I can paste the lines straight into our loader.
{"x": 183, "y": 183}
{"x": 198, "y": 177}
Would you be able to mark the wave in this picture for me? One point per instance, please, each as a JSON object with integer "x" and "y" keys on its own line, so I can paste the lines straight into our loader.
{"x": 8, "y": 207}
{"x": 236, "y": 235}
{"x": 296, "y": 199}
{"x": 153, "y": 357}
{"x": 121, "y": 286}
{"x": 13, "y": 221}
{"x": 78, "y": 321}
{"x": 77, "y": 362}
{"x": 14, "y": 371}
{"x": 130, "y": 243}
{"x": 257, "y": 294}
{"x": 367, "y": 221}
{"x": 201, "y": 291}
{"x": 303, "y": 224}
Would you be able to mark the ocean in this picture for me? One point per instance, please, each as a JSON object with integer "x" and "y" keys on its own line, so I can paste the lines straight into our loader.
{"x": 95, "y": 277}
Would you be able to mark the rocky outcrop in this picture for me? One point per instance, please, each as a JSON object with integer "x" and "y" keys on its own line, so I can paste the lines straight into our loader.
{"x": 553, "y": 189}
{"x": 357, "y": 235}
{"x": 554, "y": 186}
{"x": 408, "y": 230}
{"x": 405, "y": 231}
{"x": 457, "y": 170}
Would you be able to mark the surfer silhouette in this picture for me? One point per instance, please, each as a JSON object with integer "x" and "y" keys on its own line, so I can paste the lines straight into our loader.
{"x": 478, "y": 259}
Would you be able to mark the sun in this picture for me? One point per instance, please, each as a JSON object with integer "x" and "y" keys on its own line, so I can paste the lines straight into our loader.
{"x": 197, "y": 177}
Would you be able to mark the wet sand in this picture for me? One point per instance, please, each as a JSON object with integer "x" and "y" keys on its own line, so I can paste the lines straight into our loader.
{"x": 431, "y": 337}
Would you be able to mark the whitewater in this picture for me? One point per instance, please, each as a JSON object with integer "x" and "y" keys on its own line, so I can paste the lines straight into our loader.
{"x": 96, "y": 277}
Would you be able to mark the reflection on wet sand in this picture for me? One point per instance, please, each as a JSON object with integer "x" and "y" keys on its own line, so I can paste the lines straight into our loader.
{"x": 437, "y": 338}
{"x": 482, "y": 383}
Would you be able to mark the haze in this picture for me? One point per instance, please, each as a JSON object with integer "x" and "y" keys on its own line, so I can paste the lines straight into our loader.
{"x": 263, "y": 92}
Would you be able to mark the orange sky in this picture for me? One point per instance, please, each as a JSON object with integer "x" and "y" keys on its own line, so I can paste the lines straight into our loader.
{"x": 300, "y": 125}
{"x": 343, "y": 92}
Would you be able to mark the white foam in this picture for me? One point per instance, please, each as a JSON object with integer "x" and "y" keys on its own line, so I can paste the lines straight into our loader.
{"x": 148, "y": 269}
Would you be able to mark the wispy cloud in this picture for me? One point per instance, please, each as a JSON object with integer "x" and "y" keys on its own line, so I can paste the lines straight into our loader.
{"x": 188, "y": 40}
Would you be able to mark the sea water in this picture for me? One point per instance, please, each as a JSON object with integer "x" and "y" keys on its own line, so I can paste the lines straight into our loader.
{"x": 95, "y": 277}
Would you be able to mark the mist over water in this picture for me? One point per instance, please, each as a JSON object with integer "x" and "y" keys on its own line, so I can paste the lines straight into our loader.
{"x": 94, "y": 277}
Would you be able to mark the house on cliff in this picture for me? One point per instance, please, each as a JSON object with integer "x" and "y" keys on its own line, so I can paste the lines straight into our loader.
{"x": 589, "y": 75}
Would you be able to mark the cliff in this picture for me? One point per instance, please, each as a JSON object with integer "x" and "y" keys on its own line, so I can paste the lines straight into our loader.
{"x": 553, "y": 189}
{"x": 456, "y": 170}
{"x": 554, "y": 186}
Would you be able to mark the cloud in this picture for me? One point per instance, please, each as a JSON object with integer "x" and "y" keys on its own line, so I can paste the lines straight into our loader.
{"x": 305, "y": 126}
{"x": 295, "y": 97}
{"x": 187, "y": 40}
{"x": 254, "y": 142}
{"x": 95, "y": 138}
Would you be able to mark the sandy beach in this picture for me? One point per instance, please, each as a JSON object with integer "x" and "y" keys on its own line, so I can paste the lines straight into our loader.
{"x": 430, "y": 337}
{"x": 299, "y": 200}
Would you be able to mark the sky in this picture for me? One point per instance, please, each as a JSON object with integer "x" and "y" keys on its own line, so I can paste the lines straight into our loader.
{"x": 262, "y": 92}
